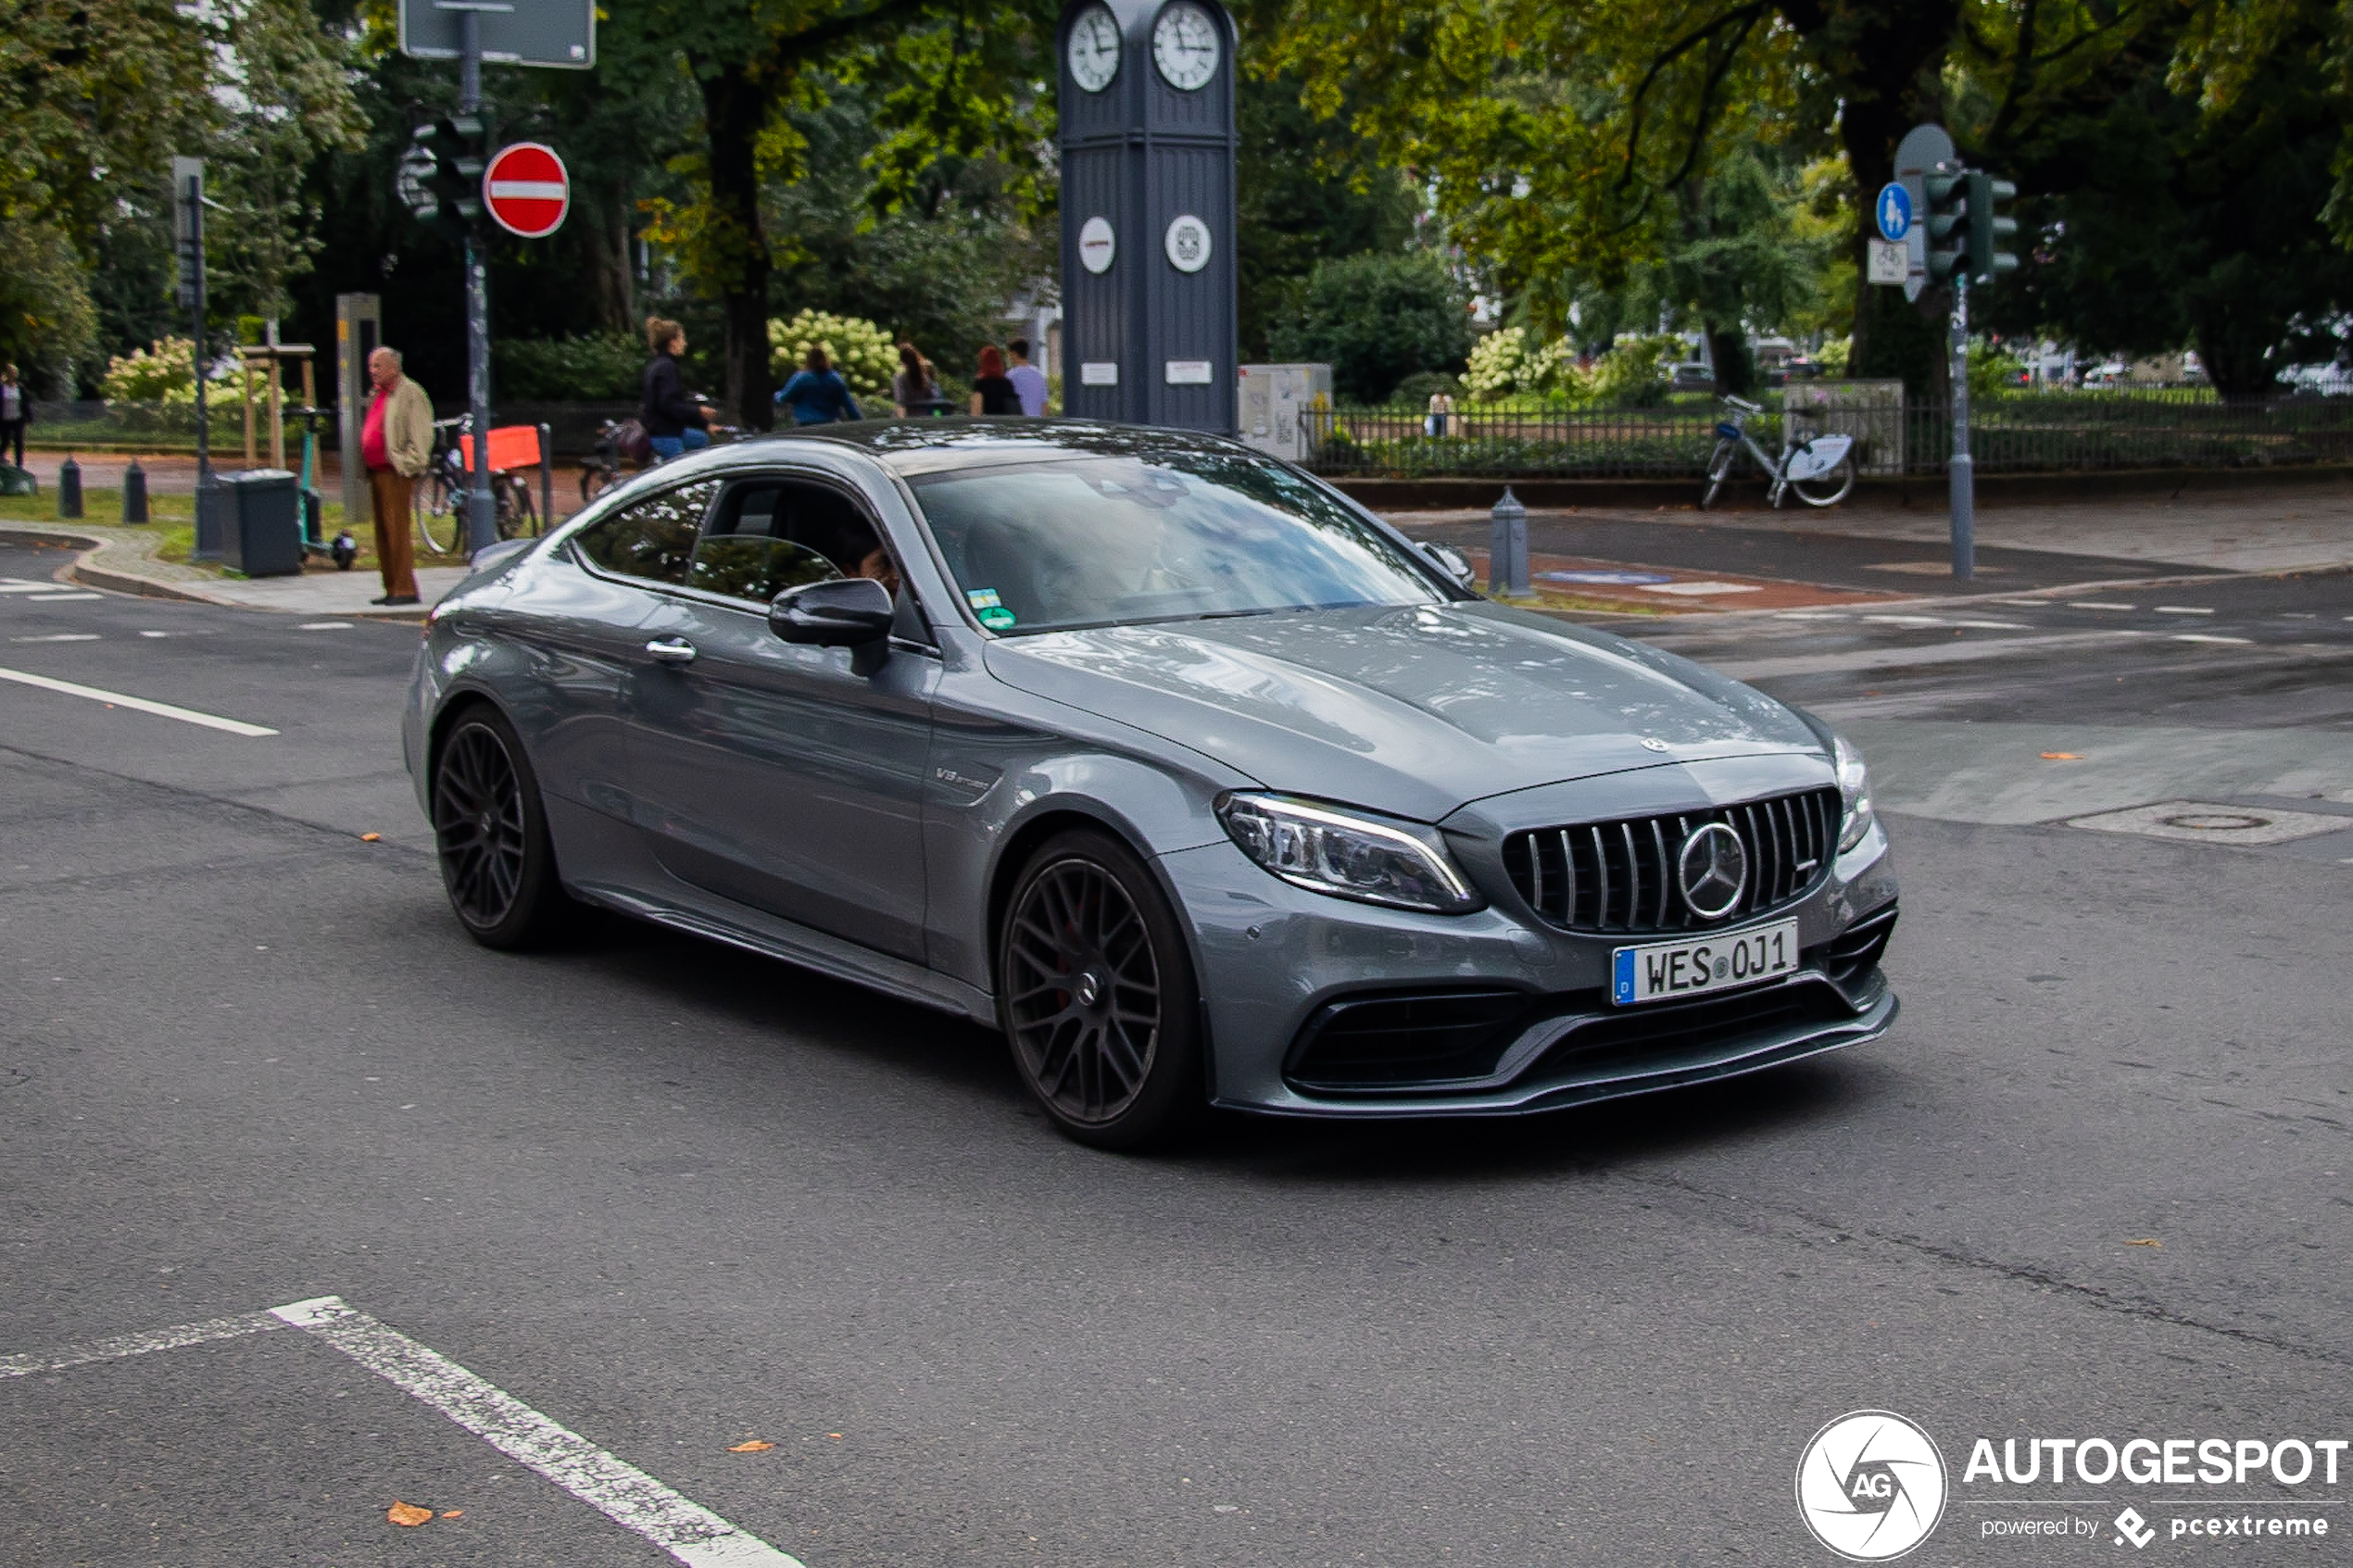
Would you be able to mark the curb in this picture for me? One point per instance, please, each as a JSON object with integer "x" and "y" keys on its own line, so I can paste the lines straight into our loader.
{"x": 80, "y": 570}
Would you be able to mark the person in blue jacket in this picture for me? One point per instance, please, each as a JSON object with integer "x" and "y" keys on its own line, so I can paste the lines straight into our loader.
{"x": 817, "y": 394}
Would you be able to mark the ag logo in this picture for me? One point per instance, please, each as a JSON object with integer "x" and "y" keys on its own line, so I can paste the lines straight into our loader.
{"x": 1871, "y": 1486}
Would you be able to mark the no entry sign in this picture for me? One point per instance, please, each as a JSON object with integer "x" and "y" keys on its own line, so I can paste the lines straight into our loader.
{"x": 526, "y": 190}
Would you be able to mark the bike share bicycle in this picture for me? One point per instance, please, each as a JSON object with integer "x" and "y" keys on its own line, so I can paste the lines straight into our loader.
{"x": 1819, "y": 468}
{"x": 445, "y": 486}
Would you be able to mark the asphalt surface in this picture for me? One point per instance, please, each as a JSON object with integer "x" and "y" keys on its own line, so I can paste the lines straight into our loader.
{"x": 678, "y": 1199}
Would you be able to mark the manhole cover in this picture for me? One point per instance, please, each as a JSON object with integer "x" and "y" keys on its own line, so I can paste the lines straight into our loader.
{"x": 2198, "y": 821}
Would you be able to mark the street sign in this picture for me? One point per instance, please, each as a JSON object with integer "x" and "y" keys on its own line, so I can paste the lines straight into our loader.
{"x": 526, "y": 190}
{"x": 559, "y": 33}
{"x": 1894, "y": 212}
{"x": 1922, "y": 148}
{"x": 1891, "y": 261}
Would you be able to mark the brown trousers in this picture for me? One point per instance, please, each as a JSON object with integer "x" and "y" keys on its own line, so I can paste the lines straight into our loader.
{"x": 395, "y": 545}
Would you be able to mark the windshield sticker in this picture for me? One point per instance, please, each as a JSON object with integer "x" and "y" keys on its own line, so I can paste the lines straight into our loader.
{"x": 982, "y": 598}
{"x": 997, "y": 618}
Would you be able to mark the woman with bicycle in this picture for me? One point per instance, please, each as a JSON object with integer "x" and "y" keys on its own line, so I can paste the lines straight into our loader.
{"x": 674, "y": 422}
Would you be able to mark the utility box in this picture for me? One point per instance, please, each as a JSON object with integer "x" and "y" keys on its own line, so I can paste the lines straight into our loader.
{"x": 1272, "y": 397}
{"x": 360, "y": 329}
{"x": 262, "y": 536}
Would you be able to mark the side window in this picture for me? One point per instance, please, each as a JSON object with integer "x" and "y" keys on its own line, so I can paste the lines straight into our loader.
{"x": 655, "y": 538}
{"x": 768, "y": 535}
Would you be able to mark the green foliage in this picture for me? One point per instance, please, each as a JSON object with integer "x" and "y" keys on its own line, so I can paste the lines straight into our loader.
{"x": 1377, "y": 319}
{"x": 1992, "y": 372}
{"x": 46, "y": 318}
{"x": 600, "y": 366}
{"x": 861, "y": 351}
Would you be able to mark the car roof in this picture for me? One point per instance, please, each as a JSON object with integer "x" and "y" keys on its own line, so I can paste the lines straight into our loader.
{"x": 915, "y": 446}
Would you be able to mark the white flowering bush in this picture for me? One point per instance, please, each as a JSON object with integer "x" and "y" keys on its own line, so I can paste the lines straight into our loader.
{"x": 168, "y": 374}
{"x": 1638, "y": 370}
{"x": 1496, "y": 362}
{"x": 861, "y": 351}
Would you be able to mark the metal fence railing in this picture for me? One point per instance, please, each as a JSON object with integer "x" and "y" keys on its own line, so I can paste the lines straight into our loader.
{"x": 2014, "y": 434}
{"x": 118, "y": 426}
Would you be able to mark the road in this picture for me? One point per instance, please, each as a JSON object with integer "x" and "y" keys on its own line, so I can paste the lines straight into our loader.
{"x": 679, "y": 1199}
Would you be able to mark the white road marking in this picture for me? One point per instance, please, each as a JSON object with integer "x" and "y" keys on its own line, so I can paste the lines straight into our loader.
{"x": 155, "y": 633}
{"x": 1694, "y": 588}
{"x": 2206, "y": 637}
{"x": 139, "y": 1344}
{"x": 60, "y": 637}
{"x": 624, "y": 1494}
{"x": 58, "y": 598}
{"x": 2184, "y": 610}
{"x": 28, "y": 585}
{"x": 627, "y": 1496}
{"x": 1946, "y": 620}
{"x": 137, "y": 704}
{"x": 324, "y": 626}
{"x": 2094, "y": 604}
{"x": 1889, "y": 658}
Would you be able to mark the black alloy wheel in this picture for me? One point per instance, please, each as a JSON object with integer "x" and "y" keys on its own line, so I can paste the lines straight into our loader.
{"x": 1096, "y": 995}
{"x": 491, "y": 832}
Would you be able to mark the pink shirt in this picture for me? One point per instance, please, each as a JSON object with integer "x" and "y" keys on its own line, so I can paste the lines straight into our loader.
{"x": 372, "y": 434}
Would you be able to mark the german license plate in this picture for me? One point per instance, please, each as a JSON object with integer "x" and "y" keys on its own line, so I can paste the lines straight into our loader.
{"x": 1697, "y": 965}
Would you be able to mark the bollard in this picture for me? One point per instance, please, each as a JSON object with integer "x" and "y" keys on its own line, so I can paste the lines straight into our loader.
{"x": 134, "y": 493}
{"x": 1507, "y": 549}
{"x": 546, "y": 479}
{"x": 69, "y": 487}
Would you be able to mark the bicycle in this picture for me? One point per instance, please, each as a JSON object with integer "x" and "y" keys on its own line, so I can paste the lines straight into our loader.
{"x": 602, "y": 469}
{"x": 447, "y": 482}
{"x": 1819, "y": 468}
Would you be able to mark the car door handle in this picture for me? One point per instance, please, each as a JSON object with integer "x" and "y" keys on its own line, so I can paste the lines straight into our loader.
{"x": 672, "y": 650}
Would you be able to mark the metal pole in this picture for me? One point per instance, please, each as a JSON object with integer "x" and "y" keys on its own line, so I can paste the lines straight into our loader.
{"x": 482, "y": 521}
{"x": 546, "y": 479}
{"x": 1963, "y": 471}
{"x": 208, "y": 545}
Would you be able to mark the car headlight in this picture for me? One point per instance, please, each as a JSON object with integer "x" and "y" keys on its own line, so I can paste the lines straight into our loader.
{"x": 1347, "y": 856}
{"x": 1853, "y": 793}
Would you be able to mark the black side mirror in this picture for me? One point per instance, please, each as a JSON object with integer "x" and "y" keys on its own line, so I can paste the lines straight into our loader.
{"x": 849, "y": 612}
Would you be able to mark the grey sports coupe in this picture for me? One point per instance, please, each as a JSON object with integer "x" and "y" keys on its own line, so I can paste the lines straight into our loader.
{"x": 1200, "y": 783}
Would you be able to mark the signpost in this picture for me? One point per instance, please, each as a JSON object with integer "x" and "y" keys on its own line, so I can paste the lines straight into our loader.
{"x": 560, "y": 35}
{"x": 188, "y": 202}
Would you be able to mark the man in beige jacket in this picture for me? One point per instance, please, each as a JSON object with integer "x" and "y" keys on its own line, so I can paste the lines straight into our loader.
{"x": 395, "y": 442}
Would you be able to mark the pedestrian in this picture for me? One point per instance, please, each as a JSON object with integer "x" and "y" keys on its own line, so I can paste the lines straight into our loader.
{"x": 674, "y": 422}
{"x": 1441, "y": 408}
{"x": 817, "y": 394}
{"x": 914, "y": 389}
{"x": 16, "y": 411}
{"x": 1029, "y": 381}
{"x": 394, "y": 441}
{"x": 992, "y": 393}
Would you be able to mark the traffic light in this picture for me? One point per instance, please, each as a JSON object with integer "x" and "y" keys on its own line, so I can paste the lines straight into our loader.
{"x": 441, "y": 177}
{"x": 1987, "y": 226}
{"x": 1947, "y": 224}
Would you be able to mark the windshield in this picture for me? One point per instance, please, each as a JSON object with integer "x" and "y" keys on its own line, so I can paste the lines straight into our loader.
{"x": 1116, "y": 540}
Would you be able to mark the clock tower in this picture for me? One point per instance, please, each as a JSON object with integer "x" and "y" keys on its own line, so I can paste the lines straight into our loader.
{"x": 1148, "y": 307}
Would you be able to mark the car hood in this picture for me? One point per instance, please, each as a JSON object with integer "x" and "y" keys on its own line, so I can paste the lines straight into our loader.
{"x": 1413, "y": 711}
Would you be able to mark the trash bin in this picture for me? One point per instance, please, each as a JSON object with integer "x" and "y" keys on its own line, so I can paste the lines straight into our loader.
{"x": 261, "y": 524}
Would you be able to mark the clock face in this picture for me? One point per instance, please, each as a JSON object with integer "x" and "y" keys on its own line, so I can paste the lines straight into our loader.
{"x": 1094, "y": 49}
{"x": 1186, "y": 46}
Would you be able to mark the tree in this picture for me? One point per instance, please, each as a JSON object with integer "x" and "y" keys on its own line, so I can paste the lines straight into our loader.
{"x": 1377, "y": 319}
{"x": 955, "y": 78}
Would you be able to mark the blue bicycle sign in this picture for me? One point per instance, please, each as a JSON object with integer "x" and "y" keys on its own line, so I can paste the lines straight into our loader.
{"x": 1894, "y": 212}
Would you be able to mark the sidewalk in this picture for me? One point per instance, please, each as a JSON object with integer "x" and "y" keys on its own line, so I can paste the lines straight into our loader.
{"x": 125, "y": 560}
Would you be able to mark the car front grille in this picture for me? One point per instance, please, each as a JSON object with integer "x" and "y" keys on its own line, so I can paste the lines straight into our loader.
{"x": 1619, "y": 877}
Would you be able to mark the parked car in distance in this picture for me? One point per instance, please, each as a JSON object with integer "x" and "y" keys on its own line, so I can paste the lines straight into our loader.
{"x": 1198, "y": 782}
{"x": 1692, "y": 375}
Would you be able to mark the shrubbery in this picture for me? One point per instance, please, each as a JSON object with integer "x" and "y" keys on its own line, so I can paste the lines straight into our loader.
{"x": 1510, "y": 363}
{"x": 163, "y": 373}
{"x": 603, "y": 366}
{"x": 861, "y": 351}
{"x": 1376, "y": 319}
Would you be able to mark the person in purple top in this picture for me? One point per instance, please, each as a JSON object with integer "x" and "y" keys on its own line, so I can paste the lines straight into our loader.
{"x": 1029, "y": 381}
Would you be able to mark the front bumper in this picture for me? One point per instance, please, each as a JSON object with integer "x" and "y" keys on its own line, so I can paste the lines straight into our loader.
{"x": 1320, "y": 1006}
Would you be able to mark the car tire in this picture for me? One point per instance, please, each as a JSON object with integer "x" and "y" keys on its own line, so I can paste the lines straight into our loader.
{"x": 1097, "y": 998}
{"x": 490, "y": 833}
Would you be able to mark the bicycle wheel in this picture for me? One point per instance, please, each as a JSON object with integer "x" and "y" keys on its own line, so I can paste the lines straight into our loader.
{"x": 517, "y": 516}
{"x": 444, "y": 516}
{"x": 1720, "y": 467}
{"x": 1827, "y": 489}
{"x": 594, "y": 480}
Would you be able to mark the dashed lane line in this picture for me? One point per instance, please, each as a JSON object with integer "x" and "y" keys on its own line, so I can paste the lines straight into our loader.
{"x": 1891, "y": 658}
{"x": 137, "y": 704}
{"x": 690, "y": 1533}
{"x": 60, "y": 637}
{"x": 2185, "y": 610}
